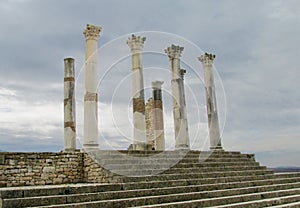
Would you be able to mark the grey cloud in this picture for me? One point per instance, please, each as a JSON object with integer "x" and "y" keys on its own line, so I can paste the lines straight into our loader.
{"x": 256, "y": 47}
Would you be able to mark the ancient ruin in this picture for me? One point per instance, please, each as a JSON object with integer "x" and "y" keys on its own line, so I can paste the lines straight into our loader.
{"x": 179, "y": 107}
{"x": 211, "y": 101}
{"x": 136, "y": 43}
{"x": 69, "y": 106}
{"x": 91, "y": 34}
{"x": 154, "y": 118}
{"x": 145, "y": 175}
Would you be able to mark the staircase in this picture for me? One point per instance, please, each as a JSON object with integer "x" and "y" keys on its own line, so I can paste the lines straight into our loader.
{"x": 168, "y": 179}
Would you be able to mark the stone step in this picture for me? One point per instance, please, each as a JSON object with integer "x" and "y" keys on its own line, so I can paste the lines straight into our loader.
{"x": 167, "y": 152}
{"x": 285, "y": 201}
{"x": 155, "y": 161}
{"x": 110, "y": 195}
{"x": 292, "y": 204}
{"x": 32, "y": 191}
{"x": 153, "y": 171}
{"x": 182, "y": 165}
{"x": 173, "y": 155}
{"x": 191, "y": 175}
{"x": 210, "y": 182}
{"x": 216, "y": 164}
{"x": 170, "y": 155}
{"x": 208, "y": 198}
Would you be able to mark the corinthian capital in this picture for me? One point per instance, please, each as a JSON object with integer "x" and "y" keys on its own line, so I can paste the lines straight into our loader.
{"x": 156, "y": 85}
{"x": 174, "y": 51}
{"x": 136, "y": 42}
{"x": 207, "y": 59}
{"x": 92, "y": 32}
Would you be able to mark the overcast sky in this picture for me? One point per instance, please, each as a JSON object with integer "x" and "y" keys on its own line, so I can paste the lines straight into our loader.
{"x": 257, "y": 49}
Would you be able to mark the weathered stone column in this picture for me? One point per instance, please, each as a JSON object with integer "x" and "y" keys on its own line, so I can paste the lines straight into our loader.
{"x": 149, "y": 123}
{"x": 91, "y": 34}
{"x": 69, "y": 106}
{"x": 157, "y": 116}
{"x": 183, "y": 111}
{"x": 211, "y": 104}
{"x": 179, "y": 111}
{"x": 136, "y": 44}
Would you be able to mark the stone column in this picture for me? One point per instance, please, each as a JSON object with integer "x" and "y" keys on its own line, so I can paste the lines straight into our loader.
{"x": 149, "y": 123}
{"x": 136, "y": 44}
{"x": 183, "y": 111}
{"x": 179, "y": 111}
{"x": 211, "y": 104}
{"x": 91, "y": 34}
{"x": 69, "y": 106}
{"x": 157, "y": 116}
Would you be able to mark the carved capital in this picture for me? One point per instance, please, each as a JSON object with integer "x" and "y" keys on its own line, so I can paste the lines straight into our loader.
{"x": 207, "y": 59}
{"x": 92, "y": 32}
{"x": 182, "y": 73}
{"x": 136, "y": 42}
{"x": 156, "y": 85}
{"x": 174, "y": 51}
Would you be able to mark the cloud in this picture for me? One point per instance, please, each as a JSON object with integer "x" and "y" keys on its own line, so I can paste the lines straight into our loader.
{"x": 257, "y": 59}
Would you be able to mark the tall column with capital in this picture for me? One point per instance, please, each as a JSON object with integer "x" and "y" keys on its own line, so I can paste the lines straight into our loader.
{"x": 69, "y": 106}
{"x": 136, "y": 44}
{"x": 91, "y": 34}
{"x": 211, "y": 104}
{"x": 157, "y": 116}
{"x": 179, "y": 110}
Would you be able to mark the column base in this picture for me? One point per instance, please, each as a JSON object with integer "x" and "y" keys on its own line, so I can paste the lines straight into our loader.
{"x": 216, "y": 148}
{"x": 69, "y": 150}
{"x": 182, "y": 147}
{"x": 90, "y": 147}
{"x": 140, "y": 147}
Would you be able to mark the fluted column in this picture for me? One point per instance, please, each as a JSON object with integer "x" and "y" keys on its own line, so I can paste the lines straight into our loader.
{"x": 91, "y": 34}
{"x": 136, "y": 44}
{"x": 69, "y": 106}
{"x": 179, "y": 111}
{"x": 211, "y": 104}
{"x": 157, "y": 116}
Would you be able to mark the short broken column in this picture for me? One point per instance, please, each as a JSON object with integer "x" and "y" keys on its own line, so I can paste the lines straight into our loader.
{"x": 211, "y": 103}
{"x": 179, "y": 111}
{"x": 90, "y": 132}
{"x": 157, "y": 116}
{"x": 149, "y": 124}
{"x": 139, "y": 123}
{"x": 69, "y": 106}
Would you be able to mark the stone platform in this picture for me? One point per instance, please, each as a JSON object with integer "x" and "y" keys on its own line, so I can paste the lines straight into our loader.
{"x": 145, "y": 179}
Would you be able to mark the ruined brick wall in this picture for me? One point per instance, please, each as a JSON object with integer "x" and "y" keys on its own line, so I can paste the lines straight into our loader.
{"x": 44, "y": 168}
{"x": 94, "y": 173}
{"x": 20, "y": 169}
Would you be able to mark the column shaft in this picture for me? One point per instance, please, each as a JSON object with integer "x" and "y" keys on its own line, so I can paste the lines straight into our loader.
{"x": 149, "y": 123}
{"x": 157, "y": 116}
{"x": 139, "y": 134}
{"x": 179, "y": 111}
{"x": 91, "y": 88}
{"x": 211, "y": 104}
{"x": 183, "y": 133}
{"x": 69, "y": 106}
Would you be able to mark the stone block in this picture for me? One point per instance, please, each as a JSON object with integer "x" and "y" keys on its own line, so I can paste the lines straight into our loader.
{"x": 2, "y": 159}
{"x": 57, "y": 181}
{"x": 48, "y": 169}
